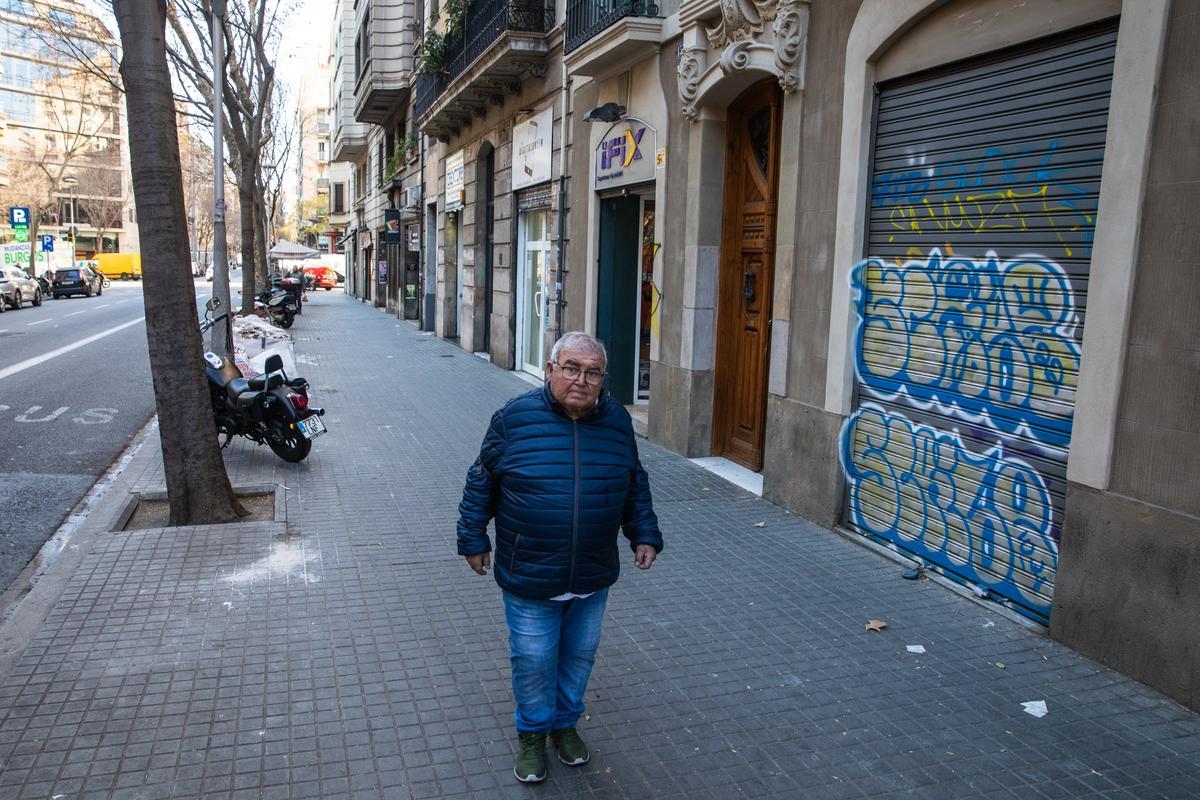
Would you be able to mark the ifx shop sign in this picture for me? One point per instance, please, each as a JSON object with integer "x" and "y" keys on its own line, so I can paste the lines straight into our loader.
{"x": 625, "y": 155}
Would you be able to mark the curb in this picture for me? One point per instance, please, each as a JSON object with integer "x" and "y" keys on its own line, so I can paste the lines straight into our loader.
{"x": 25, "y": 604}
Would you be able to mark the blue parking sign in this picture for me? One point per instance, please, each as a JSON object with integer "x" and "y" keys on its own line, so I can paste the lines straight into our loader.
{"x": 18, "y": 217}
{"x": 47, "y": 243}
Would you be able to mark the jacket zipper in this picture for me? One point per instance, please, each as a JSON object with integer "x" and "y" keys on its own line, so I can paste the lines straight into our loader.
{"x": 513, "y": 560}
{"x": 575, "y": 512}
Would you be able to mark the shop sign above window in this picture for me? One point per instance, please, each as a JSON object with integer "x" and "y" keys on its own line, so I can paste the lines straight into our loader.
{"x": 455, "y": 175}
{"x": 531, "y": 150}
{"x": 624, "y": 155}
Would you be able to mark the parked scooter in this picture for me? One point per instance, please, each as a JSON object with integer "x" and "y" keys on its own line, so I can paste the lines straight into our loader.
{"x": 269, "y": 409}
{"x": 279, "y": 306}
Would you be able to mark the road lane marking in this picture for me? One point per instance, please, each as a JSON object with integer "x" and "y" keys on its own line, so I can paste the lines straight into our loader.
{"x": 40, "y": 321}
{"x": 106, "y": 305}
{"x": 119, "y": 302}
{"x": 33, "y": 362}
{"x": 73, "y": 313}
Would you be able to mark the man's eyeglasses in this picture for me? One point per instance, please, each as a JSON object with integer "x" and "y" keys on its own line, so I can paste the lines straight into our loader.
{"x": 571, "y": 373}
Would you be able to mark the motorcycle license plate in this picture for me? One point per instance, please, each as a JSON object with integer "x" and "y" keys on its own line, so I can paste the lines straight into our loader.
{"x": 311, "y": 427}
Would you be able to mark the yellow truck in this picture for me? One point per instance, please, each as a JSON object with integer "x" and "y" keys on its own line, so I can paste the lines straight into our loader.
{"x": 126, "y": 266}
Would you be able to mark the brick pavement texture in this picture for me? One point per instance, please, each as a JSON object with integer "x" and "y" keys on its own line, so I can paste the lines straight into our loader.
{"x": 350, "y": 653}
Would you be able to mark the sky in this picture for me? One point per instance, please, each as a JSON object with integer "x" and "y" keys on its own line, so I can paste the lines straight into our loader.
{"x": 305, "y": 33}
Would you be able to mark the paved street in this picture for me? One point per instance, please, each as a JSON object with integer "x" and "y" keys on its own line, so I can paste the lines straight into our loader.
{"x": 68, "y": 407}
{"x": 348, "y": 652}
{"x": 64, "y": 418}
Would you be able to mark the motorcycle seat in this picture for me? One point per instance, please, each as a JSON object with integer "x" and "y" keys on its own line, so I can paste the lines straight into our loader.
{"x": 238, "y": 386}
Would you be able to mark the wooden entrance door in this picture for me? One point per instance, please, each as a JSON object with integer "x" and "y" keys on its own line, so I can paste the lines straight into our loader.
{"x": 747, "y": 274}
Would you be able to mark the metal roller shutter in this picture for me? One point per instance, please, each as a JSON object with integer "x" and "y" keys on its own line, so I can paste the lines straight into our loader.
{"x": 984, "y": 186}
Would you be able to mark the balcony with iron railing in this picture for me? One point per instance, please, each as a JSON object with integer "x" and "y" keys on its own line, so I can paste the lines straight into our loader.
{"x": 501, "y": 43}
{"x": 605, "y": 36}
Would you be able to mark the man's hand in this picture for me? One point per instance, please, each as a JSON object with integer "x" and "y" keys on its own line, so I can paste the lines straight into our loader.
{"x": 644, "y": 555}
{"x": 481, "y": 561}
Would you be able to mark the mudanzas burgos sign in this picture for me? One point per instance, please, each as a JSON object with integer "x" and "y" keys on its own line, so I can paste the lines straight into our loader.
{"x": 625, "y": 155}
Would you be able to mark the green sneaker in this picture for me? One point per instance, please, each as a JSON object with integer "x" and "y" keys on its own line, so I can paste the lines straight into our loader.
{"x": 571, "y": 749}
{"x": 531, "y": 758}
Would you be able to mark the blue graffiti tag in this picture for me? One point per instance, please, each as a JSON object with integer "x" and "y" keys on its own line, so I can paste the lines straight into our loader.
{"x": 997, "y": 190}
{"x": 987, "y": 517}
{"x": 987, "y": 340}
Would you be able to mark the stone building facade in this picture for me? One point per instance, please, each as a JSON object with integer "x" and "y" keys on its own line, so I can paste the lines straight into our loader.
{"x": 920, "y": 267}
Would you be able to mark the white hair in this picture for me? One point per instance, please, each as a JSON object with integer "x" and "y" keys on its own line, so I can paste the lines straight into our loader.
{"x": 578, "y": 340}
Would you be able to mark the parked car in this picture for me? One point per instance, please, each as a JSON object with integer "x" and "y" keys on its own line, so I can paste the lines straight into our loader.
{"x": 16, "y": 287}
{"x": 81, "y": 280}
{"x": 322, "y": 277}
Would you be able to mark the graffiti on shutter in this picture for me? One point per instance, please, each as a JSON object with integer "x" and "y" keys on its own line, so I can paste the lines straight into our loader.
{"x": 970, "y": 309}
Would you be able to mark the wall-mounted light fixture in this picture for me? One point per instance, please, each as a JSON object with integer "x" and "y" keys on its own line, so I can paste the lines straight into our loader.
{"x": 609, "y": 112}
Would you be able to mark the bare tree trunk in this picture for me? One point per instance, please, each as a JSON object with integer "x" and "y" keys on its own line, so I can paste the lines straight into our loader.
{"x": 248, "y": 167}
{"x": 264, "y": 225}
{"x": 198, "y": 486}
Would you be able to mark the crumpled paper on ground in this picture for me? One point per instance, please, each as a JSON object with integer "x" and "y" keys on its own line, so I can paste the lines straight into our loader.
{"x": 255, "y": 340}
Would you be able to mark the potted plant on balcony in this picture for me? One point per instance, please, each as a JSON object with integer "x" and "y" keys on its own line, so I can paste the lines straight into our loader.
{"x": 433, "y": 52}
{"x": 409, "y": 146}
{"x": 395, "y": 163}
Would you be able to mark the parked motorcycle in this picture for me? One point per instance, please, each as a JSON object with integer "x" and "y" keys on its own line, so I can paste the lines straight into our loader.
{"x": 269, "y": 409}
{"x": 46, "y": 282}
{"x": 279, "y": 306}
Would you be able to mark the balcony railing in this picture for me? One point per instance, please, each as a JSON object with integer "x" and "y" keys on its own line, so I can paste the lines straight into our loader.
{"x": 483, "y": 25}
{"x": 586, "y": 18}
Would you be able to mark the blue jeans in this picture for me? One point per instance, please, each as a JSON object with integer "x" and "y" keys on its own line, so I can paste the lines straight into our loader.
{"x": 552, "y": 645}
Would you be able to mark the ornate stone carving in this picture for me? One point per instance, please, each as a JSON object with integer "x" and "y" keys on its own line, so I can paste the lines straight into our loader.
{"x": 767, "y": 36}
{"x": 735, "y": 57}
{"x": 791, "y": 36}
{"x": 741, "y": 19}
{"x": 691, "y": 67}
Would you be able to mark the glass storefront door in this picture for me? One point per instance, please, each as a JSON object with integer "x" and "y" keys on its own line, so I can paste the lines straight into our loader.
{"x": 532, "y": 289}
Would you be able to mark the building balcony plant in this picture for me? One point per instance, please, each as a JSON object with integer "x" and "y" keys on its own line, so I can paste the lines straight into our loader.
{"x": 481, "y": 42}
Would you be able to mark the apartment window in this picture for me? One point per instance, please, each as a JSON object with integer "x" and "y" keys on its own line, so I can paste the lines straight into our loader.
{"x": 362, "y": 45}
{"x": 380, "y": 158}
{"x": 61, "y": 18}
{"x": 17, "y": 7}
{"x": 19, "y": 72}
{"x": 17, "y": 107}
{"x": 339, "y": 198}
{"x": 321, "y": 151}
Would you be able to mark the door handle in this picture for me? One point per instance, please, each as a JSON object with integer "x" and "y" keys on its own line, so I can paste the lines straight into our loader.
{"x": 537, "y": 304}
{"x": 748, "y": 285}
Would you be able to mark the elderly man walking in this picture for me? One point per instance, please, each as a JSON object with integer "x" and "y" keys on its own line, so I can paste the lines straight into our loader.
{"x": 559, "y": 472}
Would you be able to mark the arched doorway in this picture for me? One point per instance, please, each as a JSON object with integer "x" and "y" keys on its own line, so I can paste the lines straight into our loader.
{"x": 746, "y": 273}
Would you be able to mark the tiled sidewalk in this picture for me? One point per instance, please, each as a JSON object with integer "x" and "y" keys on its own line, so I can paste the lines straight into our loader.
{"x": 350, "y": 653}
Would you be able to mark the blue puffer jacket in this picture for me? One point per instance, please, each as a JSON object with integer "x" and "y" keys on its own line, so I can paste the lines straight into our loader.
{"x": 559, "y": 490}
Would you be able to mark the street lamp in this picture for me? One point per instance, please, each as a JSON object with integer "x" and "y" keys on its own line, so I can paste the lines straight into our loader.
{"x": 70, "y": 181}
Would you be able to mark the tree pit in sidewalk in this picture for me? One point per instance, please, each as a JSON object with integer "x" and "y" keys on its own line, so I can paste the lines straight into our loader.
{"x": 152, "y": 511}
